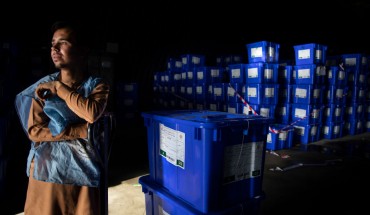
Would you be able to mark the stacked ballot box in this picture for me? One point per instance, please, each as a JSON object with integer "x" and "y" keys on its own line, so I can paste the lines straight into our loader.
{"x": 206, "y": 161}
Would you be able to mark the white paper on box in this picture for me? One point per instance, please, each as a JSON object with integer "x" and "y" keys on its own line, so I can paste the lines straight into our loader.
{"x": 172, "y": 145}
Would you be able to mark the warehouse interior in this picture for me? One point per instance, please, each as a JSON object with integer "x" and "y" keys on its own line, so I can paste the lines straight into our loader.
{"x": 136, "y": 40}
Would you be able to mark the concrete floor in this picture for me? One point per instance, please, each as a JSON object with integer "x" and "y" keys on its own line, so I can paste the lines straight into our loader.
{"x": 330, "y": 176}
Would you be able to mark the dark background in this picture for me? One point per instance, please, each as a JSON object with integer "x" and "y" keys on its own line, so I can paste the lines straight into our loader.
{"x": 147, "y": 34}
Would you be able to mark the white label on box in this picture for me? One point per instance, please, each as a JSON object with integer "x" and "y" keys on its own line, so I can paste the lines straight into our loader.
{"x": 253, "y": 72}
{"x": 339, "y": 93}
{"x": 283, "y": 135}
{"x": 243, "y": 161}
{"x": 350, "y": 61}
{"x": 318, "y": 54}
{"x": 282, "y": 111}
{"x": 313, "y": 130}
{"x": 235, "y": 73}
{"x": 269, "y": 139}
{"x": 304, "y": 54}
{"x": 285, "y": 73}
{"x": 326, "y": 130}
{"x": 190, "y": 75}
{"x": 199, "y": 90}
{"x": 195, "y": 60}
{"x": 268, "y": 73}
{"x": 245, "y": 110}
{"x": 177, "y": 77}
{"x": 338, "y": 112}
{"x": 300, "y": 113}
{"x": 361, "y": 93}
{"x": 330, "y": 74}
{"x": 299, "y": 130}
{"x": 349, "y": 110}
{"x": 301, "y": 93}
{"x": 231, "y": 110}
{"x": 189, "y": 90}
{"x": 359, "y": 109}
{"x": 336, "y": 129}
{"x": 265, "y": 112}
{"x": 315, "y": 113}
{"x": 252, "y": 92}
{"x": 304, "y": 73}
{"x": 200, "y": 75}
{"x": 269, "y": 92}
{"x": 217, "y": 91}
{"x": 213, "y": 106}
{"x": 184, "y": 60}
{"x": 361, "y": 79}
{"x": 172, "y": 145}
{"x": 183, "y": 75}
{"x": 178, "y": 64}
{"x": 230, "y": 91}
{"x": 341, "y": 75}
{"x": 215, "y": 73}
{"x": 271, "y": 51}
{"x": 182, "y": 89}
{"x": 368, "y": 124}
{"x": 256, "y": 52}
{"x": 316, "y": 93}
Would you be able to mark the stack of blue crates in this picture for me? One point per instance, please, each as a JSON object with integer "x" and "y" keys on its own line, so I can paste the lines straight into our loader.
{"x": 261, "y": 78}
{"x": 356, "y": 66}
{"x": 309, "y": 76}
{"x": 204, "y": 162}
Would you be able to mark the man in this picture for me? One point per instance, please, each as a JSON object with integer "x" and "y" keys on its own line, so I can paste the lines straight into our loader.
{"x": 63, "y": 167}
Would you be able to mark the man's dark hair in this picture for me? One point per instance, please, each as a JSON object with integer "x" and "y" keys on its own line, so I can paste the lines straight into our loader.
{"x": 79, "y": 31}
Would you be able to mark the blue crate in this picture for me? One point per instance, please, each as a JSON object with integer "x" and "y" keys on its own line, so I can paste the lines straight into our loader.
{"x": 219, "y": 92}
{"x": 233, "y": 90}
{"x": 307, "y": 113}
{"x": 356, "y": 77}
{"x": 333, "y": 113}
{"x": 262, "y": 93}
{"x": 337, "y": 76}
{"x": 174, "y": 64}
{"x": 160, "y": 201}
{"x": 280, "y": 136}
{"x": 332, "y": 130}
{"x": 307, "y": 94}
{"x": 309, "y": 74}
{"x": 263, "y": 51}
{"x": 192, "y": 60}
{"x": 235, "y": 107}
{"x": 354, "y": 126}
{"x": 283, "y": 113}
{"x": 335, "y": 94}
{"x": 357, "y": 60}
{"x": 333, "y": 60}
{"x": 209, "y": 74}
{"x": 285, "y": 74}
{"x": 306, "y": 133}
{"x": 217, "y": 106}
{"x": 237, "y": 73}
{"x": 266, "y": 110}
{"x": 354, "y": 111}
{"x": 201, "y": 92}
{"x": 193, "y": 155}
{"x": 262, "y": 73}
{"x": 285, "y": 93}
{"x": 311, "y": 53}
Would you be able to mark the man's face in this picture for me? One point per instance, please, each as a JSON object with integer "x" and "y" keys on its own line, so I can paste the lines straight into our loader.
{"x": 64, "y": 52}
